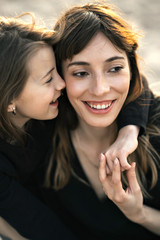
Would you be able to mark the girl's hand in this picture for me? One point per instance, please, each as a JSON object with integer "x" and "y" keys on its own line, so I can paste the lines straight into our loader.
{"x": 124, "y": 145}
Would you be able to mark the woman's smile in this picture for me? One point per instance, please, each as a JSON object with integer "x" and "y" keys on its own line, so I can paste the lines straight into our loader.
{"x": 97, "y": 81}
{"x": 99, "y": 107}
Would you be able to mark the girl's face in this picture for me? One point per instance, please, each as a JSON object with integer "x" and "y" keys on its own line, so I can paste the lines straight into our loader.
{"x": 97, "y": 81}
{"x": 38, "y": 99}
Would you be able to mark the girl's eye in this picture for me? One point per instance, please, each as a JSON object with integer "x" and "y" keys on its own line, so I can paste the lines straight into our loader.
{"x": 116, "y": 69}
{"x": 80, "y": 74}
{"x": 49, "y": 80}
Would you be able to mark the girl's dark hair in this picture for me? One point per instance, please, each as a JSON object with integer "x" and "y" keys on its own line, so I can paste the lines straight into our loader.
{"x": 19, "y": 40}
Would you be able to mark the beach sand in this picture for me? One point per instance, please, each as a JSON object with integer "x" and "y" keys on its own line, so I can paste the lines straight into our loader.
{"x": 144, "y": 14}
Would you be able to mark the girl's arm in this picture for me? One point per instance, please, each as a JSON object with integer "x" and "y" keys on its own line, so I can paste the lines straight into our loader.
{"x": 132, "y": 122}
{"x": 125, "y": 144}
{"x": 8, "y": 231}
{"x": 137, "y": 112}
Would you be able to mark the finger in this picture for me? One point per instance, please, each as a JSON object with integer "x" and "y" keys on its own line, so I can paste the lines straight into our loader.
{"x": 108, "y": 171}
{"x": 109, "y": 160}
{"x": 102, "y": 168}
{"x": 107, "y": 168}
{"x": 124, "y": 163}
{"x": 132, "y": 179}
{"x": 116, "y": 176}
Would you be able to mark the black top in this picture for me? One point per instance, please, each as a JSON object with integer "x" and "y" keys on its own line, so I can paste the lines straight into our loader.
{"x": 20, "y": 177}
{"x": 131, "y": 113}
{"x": 21, "y": 174}
{"x": 91, "y": 218}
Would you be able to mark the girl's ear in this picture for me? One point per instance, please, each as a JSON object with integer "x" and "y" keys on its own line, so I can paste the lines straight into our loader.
{"x": 11, "y": 108}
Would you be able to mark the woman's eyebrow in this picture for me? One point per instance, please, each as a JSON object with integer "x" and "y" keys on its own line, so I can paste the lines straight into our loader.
{"x": 114, "y": 58}
{"x": 87, "y": 64}
{"x": 77, "y": 64}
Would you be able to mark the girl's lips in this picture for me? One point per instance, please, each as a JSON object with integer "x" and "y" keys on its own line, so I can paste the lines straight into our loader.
{"x": 54, "y": 104}
{"x": 100, "y": 107}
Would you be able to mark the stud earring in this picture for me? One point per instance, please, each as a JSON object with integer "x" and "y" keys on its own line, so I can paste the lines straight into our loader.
{"x": 14, "y": 110}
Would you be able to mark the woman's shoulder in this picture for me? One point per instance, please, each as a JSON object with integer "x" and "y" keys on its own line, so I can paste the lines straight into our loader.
{"x": 153, "y": 126}
{"x": 154, "y": 112}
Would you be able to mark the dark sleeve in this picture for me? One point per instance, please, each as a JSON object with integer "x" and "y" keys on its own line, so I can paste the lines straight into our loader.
{"x": 137, "y": 112}
{"x": 31, "y": 218}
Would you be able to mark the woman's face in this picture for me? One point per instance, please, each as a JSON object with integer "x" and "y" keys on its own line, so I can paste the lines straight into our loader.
{"x": 97, "y": 81}
{"x": 38, "y": 99}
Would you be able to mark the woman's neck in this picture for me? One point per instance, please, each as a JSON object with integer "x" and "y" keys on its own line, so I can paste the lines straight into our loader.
{"x": 96, "y": 136}
{"x": 89, "y": 142}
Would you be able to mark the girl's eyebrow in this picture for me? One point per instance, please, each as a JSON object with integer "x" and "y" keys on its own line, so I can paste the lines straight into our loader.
{"x": 87, "y": 64}
{"x": 48, "y": 72}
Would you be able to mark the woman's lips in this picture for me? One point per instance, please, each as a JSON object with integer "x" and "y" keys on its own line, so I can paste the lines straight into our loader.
{"x": 99, "y": 107}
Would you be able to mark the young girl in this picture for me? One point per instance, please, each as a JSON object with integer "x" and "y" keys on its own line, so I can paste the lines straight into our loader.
{"x": 29, "y": 89}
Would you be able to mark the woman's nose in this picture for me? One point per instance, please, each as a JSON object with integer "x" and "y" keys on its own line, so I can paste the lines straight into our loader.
{"x": 99, "y": 85}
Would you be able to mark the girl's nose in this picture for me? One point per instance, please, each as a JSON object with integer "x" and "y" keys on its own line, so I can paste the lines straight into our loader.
{"x": 60, "y": 83}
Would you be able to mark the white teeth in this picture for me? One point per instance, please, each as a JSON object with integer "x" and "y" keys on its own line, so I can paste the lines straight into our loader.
{"x": 53, "y": 101}
{"x": 103, "y": 106}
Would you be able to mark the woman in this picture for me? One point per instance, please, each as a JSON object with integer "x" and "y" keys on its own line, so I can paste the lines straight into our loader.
{"x": 97, "y": 58}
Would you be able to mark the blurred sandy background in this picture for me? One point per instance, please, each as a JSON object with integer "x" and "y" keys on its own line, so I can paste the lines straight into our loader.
{"x": 144, "y": 14}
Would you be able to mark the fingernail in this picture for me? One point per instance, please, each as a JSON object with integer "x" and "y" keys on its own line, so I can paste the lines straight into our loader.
{"x": 116, "y": 161}
{"x": 134, "y": 164}
{"x": 102, "y": 157}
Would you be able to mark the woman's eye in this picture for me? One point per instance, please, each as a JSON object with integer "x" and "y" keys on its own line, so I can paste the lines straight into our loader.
{"x": 49, "y": 80}
{"x": 80, "y": 74}
{"x": 116, "y": 69}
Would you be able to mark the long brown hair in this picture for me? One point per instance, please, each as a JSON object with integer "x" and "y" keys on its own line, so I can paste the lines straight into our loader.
{"x": 19, "y": 40}
{"x": 77, "y": 26}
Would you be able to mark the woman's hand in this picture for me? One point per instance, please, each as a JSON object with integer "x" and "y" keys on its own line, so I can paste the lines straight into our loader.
{"x": 129, "y": 200}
